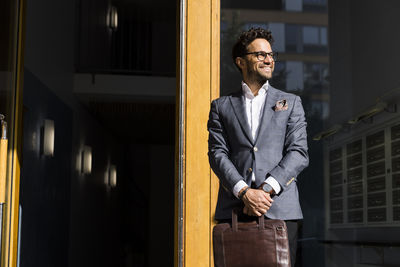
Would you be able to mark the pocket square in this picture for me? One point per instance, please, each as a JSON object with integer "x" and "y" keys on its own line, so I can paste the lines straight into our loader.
{"x": 281, "y": 105}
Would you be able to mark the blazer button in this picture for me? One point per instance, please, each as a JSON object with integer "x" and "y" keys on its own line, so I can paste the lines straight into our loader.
{"x": 255, "y": 149}
{"x": 250, "y": 169}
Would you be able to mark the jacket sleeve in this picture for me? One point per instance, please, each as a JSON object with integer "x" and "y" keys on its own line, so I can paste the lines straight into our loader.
{"x": 219, "y": 151}
{"x": 295, "y": 154}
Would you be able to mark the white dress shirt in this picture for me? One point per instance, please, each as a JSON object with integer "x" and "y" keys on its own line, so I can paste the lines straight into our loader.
{"x": 254, "y": 107}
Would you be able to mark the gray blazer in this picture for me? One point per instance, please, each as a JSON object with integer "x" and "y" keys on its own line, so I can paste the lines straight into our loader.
{"x": 280, "y": 150}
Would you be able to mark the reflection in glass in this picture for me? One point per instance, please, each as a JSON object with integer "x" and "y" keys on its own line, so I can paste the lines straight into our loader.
{"x": 350, "y": 193}
{"x": 9, "y": 16}
{"x": 8, "y": 45}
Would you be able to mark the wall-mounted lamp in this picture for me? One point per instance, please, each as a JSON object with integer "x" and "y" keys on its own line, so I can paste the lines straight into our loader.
{"x": 107, "y": 177}
{"x": 113, "y": 176}
{"x": 331, "y": 131}
{"x": 112, "y": 18}
{"x": 48, "y": 133}
{"x": 86, "y": 160}
{"x": 378, "y": 108}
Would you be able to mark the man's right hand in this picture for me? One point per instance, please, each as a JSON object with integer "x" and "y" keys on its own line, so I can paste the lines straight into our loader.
{"x": 257, "y": 202}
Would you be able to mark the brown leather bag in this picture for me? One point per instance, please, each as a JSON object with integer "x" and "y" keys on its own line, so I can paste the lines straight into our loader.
{"x": 251, "y": 244}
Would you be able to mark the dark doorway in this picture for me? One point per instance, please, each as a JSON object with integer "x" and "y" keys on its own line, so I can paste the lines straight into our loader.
{"x": 105, "y": 195}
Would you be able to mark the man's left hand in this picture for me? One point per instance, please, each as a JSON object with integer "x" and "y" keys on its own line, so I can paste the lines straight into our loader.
{"x": 255, "y": 204}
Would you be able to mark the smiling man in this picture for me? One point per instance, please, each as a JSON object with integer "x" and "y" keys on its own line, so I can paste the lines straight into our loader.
{"x": 258, "y": 141}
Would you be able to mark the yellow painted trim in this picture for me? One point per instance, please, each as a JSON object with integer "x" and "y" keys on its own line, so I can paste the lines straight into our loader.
{"x": 3, "y": 169}
{"x": 197, "y": 171}
{"x": 214, "y": 93}
{"x": 201, "y": 85}
{"x": 11, "y": 211}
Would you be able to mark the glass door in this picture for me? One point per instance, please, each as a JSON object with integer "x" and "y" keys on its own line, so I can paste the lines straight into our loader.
{"x": 10, "y": 62}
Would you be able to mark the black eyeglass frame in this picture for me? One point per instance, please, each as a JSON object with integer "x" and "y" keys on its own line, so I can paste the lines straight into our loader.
{"x": 264, "y": 55}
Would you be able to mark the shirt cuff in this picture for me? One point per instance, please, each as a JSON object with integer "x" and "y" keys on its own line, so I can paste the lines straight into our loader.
{"x": 239, "y": 186}
{"x": 274, "y": 183}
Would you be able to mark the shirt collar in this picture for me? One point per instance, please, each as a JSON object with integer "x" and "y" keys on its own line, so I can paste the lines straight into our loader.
{"x": 248, "y": 94}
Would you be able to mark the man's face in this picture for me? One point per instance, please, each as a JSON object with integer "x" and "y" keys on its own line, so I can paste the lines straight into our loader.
{"x": 255, "y": 70}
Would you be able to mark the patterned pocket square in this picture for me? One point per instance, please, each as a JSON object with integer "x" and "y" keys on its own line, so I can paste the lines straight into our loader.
{"x": 281, "y": 105}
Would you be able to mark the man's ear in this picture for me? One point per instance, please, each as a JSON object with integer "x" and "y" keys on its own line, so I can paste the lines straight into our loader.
{"x": 240, "y": 62}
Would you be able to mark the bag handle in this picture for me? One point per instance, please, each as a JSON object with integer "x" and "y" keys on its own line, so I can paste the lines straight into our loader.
{"x": 235, "y": 212}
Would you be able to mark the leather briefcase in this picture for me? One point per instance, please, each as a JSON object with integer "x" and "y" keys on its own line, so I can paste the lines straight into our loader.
{"x": 251, "y": 244}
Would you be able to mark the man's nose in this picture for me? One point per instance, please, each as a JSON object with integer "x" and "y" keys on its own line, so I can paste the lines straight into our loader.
{"x": 268, "y": 60}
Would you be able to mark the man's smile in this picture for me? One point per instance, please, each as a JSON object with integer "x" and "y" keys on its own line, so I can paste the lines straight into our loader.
{"x": 266, "y": 68}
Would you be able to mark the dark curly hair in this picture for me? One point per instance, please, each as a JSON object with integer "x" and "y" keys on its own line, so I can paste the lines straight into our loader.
{"x": 245, "y": 38}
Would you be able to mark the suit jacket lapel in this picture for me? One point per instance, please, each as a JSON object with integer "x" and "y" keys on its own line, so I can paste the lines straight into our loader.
{"x": 270, "y": 101}
{"x": 239, "y": 109}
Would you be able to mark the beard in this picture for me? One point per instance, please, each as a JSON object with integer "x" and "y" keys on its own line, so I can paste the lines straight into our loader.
{"x": 257, "y": 77}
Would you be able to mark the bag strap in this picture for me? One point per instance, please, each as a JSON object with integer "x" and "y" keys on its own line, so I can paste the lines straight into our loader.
{"x": 235, "y": 212}
{"x": 261, "y": 222}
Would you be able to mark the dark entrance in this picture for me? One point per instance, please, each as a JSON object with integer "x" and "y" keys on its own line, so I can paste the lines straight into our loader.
{"x": 105, "y": 195}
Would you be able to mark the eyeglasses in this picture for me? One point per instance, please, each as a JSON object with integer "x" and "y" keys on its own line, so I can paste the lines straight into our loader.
{"x": 261, "y": 55}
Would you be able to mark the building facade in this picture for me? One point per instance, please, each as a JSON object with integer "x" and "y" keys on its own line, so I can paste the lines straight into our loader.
{"x": 104, "y": 141}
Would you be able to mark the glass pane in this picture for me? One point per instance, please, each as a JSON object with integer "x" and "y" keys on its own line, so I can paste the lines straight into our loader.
{"x": 350, "y": 191}
{"x": 102, "y": 92}
{"x": 8, "y": 44}
{"x": 311, "y": 35}
{"x": 9, "y": 17}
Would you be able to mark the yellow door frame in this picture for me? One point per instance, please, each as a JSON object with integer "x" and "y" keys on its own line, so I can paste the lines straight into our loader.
{"x": 197, "y": 186}
{"x": 198, "y": 84}
{"x": 11, "y": 210}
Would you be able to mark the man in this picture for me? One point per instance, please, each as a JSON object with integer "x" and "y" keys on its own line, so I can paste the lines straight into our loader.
{"x": 258, "y": 140}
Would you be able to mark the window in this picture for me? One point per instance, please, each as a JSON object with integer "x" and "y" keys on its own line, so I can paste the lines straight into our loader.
{"x": 314, "y": 39}
{"x": 293, "y": 38}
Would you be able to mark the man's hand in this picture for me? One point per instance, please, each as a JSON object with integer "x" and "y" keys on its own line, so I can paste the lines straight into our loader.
{"x": 256, "y": 202}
